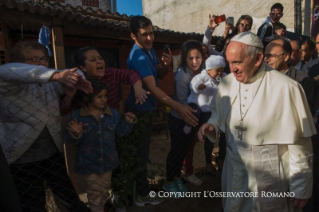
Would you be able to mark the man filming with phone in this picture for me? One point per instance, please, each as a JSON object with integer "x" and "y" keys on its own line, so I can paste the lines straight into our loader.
{"x": 143, "y": 59}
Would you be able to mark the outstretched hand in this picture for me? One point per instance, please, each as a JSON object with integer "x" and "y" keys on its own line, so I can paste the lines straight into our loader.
{"x": 130, "y": 117}
{"x": 204, "y": 130}
{"x": 83, "y": 85}
{"x": 68, "y": 77}
{"x": 187, "y": 115}
{"x": 75, "y": 127}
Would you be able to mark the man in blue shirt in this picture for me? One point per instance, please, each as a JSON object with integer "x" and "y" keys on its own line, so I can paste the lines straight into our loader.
{"x": 144, "y": 60}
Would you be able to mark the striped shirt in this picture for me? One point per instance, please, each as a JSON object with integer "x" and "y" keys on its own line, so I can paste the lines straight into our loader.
{"x": 112, "y": 78}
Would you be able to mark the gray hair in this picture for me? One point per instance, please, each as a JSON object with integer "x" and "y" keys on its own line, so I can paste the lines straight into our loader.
{"x": 252, "y": 51}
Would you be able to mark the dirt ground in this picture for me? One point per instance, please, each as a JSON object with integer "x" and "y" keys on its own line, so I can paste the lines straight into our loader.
{"x": 160, "y": 147}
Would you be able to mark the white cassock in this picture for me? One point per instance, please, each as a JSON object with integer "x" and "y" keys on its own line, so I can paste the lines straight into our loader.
{"x": 275, "y": 152}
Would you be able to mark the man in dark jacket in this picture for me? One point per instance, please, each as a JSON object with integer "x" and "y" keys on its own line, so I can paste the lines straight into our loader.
{"x": 277, "y": 55}
{"x": 266, "y": 29}
{"x": 312, "y": 67}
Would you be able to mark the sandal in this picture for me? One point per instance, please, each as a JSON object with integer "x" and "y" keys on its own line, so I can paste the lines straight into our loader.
{"x": 193, "y": 179}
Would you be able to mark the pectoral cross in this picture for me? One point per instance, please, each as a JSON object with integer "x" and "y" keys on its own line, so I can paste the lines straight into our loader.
{"x": 240, "y": 129}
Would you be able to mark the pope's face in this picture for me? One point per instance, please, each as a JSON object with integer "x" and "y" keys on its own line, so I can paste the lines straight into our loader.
{"x": 242, "y": 65}
{"x": 317, "y": 43}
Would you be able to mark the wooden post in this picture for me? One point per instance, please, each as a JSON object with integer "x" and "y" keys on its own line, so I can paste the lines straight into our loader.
{"x": 57, "y": 43}
{"x": 7, "y": 41}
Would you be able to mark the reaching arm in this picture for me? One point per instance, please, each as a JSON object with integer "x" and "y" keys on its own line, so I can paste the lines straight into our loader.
{"x": 127, "y": 76}
{"x": 21, "y": 73}
{"x": 184, "y": 111}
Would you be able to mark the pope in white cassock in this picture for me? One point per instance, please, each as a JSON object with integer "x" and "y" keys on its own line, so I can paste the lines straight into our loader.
{"x": 268, "y": 126}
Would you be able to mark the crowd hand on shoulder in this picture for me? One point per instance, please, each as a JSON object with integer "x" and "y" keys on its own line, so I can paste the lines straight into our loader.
{"x": 299, "y": 203}
{"x": 211, "y": 24}
{"x": 204, "y": 130}
{"x": 187, "y": 115}
{"x": 83, "y": 85}
{"x": 68, "y": 77}
{"x": 130, "y": 117}
{"x": 202, "y": 86}
{"x": 75, "y": 127}
{"x": 167, "y": 58}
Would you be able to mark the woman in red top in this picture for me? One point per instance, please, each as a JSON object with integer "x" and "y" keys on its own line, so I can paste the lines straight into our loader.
{"x": 90, "y": 62}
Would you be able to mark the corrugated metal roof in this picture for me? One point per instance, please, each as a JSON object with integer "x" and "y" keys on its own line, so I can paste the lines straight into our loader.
{"x": 90, "y": 16}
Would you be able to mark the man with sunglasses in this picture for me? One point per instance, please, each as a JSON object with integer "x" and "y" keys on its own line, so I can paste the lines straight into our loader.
{"x": 267, "y": 28}
{"x": 277, "y": 55}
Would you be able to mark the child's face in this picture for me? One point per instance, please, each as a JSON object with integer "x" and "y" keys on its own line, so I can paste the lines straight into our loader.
{"x": 213, "y": 73}
{"x": 99, "y": 101}
{"x": 280, "y": 32}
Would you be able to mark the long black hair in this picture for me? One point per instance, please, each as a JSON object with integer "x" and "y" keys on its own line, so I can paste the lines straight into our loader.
{"x": 79, "y": 56}
{"x": 186, "y": 47}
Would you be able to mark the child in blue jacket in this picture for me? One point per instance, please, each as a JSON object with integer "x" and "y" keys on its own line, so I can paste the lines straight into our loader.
{"x": 93, "y": 128}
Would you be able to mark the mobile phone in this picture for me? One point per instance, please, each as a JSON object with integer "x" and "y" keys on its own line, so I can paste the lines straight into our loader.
{"x": 219, "y": 19}
{"x": 230, "y": 20}
{"x": 165, "y": 49}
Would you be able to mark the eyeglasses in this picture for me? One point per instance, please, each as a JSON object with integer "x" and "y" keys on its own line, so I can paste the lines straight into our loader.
{"x": 38, "y": 59}
{"x": 276, "y": 14}
{"x": 273, "y": 56}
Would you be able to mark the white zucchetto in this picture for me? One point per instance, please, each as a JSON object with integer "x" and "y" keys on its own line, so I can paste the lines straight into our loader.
{"x": 249, "y": 39}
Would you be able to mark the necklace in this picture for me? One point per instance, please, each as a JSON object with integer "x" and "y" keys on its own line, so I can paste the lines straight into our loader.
{"x": 241, "y": 127}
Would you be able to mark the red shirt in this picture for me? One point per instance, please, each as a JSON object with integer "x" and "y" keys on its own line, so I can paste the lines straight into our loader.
{"x": 112, "y": 78}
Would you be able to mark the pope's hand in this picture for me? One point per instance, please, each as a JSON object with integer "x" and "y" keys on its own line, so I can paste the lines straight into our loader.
{"x": 299, "y": 203}
{"x": 204, "y": 130}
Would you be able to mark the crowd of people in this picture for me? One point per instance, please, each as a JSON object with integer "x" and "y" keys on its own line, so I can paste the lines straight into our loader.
{"x": 254, "y": 94}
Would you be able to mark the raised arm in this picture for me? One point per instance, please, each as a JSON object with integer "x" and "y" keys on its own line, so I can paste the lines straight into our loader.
{"x": 207, "y": 39}
{"x": 162, "y": 70}
{"x": 21, "y": 73}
